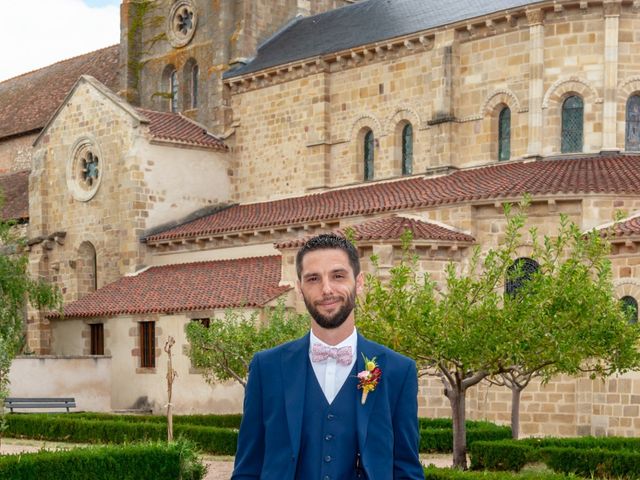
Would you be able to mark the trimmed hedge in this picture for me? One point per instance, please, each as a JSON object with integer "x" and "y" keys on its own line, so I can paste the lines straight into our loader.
{"x": 500, "y": 455}
{"x": 220, "y": 441}
{"x": 221, "y": 421}
{"x": 129, "y": 462}
{"x": 433, "y": 473}
{"x": 441, "y": 439}
{"x": 593, "y": 462}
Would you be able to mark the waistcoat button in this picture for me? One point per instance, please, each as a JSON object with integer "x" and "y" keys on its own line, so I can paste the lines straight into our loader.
{"x": 327, "y": 458}
{"x": 328, "y": 437}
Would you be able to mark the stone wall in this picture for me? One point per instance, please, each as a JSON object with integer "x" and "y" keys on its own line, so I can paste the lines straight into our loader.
{"x": 308, "y": 120}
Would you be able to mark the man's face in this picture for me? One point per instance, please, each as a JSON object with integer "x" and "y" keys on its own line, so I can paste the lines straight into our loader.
{"x": 328, "y": 287}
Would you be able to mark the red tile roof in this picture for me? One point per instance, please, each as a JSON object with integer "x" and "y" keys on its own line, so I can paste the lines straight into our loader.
{"x": 602, "y": 174}
{"x": 245, "y": 282}
{"x": 29, "y": 100}
{"x": 625, "y": 228}
{"x": 14, "y": 189}
{"x": 178, "y": 128}
{"x": 392, "y": 228}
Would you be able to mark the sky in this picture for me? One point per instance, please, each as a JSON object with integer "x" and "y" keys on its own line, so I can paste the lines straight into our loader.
{"x": 47, "y": 31}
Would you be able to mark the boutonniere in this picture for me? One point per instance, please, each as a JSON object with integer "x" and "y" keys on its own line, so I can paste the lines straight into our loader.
{"x": 369, "y": 377}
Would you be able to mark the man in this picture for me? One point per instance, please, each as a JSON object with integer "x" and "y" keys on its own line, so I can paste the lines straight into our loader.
{"x": 305, "y": 417}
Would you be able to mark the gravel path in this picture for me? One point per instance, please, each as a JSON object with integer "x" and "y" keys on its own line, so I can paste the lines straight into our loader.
{"x": 219, "y": 468}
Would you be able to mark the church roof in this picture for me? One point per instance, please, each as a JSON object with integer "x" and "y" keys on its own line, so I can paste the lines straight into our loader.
{"x": 617, "y": 174}
{"x": 14, "y": 189}
{"x": 627, "y": 227}
{"x": 27, "y": 101}
{"x": 392, "y": 228}
{"x": 364, "y": 23}
{"x": 244, "y": 282}
{"x": 175, "y": 127}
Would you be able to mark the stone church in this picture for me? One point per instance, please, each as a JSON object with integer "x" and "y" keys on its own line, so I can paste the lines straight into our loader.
{"x": 170, "y": 177}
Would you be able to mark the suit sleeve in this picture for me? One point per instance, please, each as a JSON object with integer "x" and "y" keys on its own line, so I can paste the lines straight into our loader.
{"x": 250, "y": 452}
{"x": 406, "y": 461}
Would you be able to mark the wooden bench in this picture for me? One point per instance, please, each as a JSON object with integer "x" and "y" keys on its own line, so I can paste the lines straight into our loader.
{"x": 43, "y": 403}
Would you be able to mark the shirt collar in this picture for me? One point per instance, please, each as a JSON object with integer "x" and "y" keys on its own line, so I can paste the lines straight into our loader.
{"x": 350, "y": 341}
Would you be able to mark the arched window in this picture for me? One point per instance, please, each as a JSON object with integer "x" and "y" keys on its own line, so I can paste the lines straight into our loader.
{"x": 195, "y": 71}
{"x": 368, "y": 155}
{"x": 504, "y": 134}
{"x": 518, "y": 273}
{"x": 572, "y": 124}
{"x": 173, "y": 89}
{"x": 632, "y": 133}
{"x": 407, "y": 149}
{"x": 630, "y": 306}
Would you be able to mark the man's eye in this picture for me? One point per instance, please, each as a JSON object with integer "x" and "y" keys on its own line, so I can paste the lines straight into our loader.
{"x": 311, "y": 279}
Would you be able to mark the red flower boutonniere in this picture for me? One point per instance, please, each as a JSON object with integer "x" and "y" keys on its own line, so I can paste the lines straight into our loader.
{"x": 369, "y": 377}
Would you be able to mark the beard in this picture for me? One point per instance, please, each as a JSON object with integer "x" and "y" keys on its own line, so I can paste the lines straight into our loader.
{"x": 338, "y": 318}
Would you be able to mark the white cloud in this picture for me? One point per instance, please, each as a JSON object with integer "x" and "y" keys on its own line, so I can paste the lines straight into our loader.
{"x": 47, "y": 31}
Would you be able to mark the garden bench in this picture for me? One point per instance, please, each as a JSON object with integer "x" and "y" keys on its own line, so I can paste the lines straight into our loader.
{"x": 44, "y": 402}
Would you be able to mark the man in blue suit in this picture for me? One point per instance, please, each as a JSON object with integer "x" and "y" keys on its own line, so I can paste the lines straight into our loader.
{"x": 305, "y": 417}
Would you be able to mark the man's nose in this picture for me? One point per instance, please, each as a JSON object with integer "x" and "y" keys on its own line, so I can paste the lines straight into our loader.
{"x": 326, "y": 286}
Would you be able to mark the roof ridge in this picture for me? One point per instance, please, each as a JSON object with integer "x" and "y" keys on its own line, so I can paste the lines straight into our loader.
{"x": 198, "y": 262}
{"x": 58, "y": 62}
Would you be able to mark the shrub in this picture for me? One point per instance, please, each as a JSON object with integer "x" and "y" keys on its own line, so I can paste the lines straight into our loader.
{"x": 222, "y": 421}
{"x": 593, "y": 462}
{"x": 501, "y": 455}
{"x": 221, "y": 441}
{"x": 128, "y": 462}
{"x": 433, "y": 473}
{"x": 441, "y": 439}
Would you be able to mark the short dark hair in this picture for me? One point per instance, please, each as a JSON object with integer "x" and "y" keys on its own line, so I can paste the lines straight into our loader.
{"x": 328, "y": 241}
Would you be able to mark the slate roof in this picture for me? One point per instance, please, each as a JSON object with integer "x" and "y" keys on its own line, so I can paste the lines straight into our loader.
{"x": 245, "y": 282}
{"x": 392, "y": 228}
{"x": 178, "y": 128}
{"x": 363, "y": 23}
{"x": 29, "y": 100}
{"x": 14, "y": 188}
{"x": 600, "y": 174}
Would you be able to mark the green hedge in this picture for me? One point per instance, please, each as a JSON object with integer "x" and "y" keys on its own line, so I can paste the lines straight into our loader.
{"x": 500, "y": 455}
{"x": 128, "y": 462}
{"x": 433, "y": 473}
{"x": 441, "y": 439}
{"x": 220, "y": 441}
{"x": 593, "y": 462}
{"x": 607, "y": 443}
{"x": 222, "y": 421}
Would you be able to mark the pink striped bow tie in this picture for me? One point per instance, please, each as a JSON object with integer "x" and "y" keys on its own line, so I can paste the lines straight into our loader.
{"x": 320, "y": 353}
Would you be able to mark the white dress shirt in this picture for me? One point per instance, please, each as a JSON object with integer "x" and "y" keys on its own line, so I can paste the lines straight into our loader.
{"x": 330, "y": 374}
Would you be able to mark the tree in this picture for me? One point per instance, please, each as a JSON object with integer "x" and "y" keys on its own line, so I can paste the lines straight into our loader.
{"x": 17, "y": 289}
{"x": 459, "y": 333}
{"x": 224, "y": 348}
{"x": 566, "y": 319}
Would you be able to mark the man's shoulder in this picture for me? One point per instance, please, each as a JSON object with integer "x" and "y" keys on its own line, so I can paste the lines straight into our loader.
{"x": 278, "y": 350}
{"x": 389, "y": 353}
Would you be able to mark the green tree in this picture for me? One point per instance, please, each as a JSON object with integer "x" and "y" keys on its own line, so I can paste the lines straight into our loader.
{"x": 224, "y": 349}
{"x": 565, "y": 316}
{"x": 467, "y": 330}
{"x": 457, "y": 333}
{"x": 17, "y": 289}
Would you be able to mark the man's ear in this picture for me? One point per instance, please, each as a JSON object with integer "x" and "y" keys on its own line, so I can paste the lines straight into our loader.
{"x": 359, "y": 283}
{"x": 298, "y": 287}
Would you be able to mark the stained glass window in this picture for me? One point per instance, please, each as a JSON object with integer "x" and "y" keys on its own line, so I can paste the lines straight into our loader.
{"x": 572, "y": 124}
{"x": 173, "y": 84}
{"x": 194, "y": 86}
{"x": 630, "y": 306}
{"x": 407, "y": 149}
{"x": 518, "y": 273}
{"x": 504, "y": 134}
{"x": 368, "y": 155}
{"x": 632, "y": 134}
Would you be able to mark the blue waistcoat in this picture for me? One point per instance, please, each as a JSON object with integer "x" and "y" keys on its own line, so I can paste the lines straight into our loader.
{"x": 329, "y": 442}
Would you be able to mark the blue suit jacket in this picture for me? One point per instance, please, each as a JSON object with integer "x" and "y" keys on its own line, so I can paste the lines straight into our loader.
{"x": 269, "y": 439}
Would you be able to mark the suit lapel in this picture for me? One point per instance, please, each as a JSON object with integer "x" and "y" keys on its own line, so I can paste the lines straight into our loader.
{"x": 370, "y": 350}
{"x": 294, "y": 377}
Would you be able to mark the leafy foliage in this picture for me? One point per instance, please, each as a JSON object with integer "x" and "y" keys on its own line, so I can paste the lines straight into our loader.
{"x": 224, "y": 349}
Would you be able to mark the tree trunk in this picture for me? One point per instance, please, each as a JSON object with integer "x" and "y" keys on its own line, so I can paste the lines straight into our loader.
{"x": 515, "y": 411}
{"x": 457, "y": 400}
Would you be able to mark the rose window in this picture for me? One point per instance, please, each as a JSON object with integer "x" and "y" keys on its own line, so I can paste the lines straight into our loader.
{"x": 182, "y": 22}
{"x": 90, "y": 170}
{"x": 85, "y": 169}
